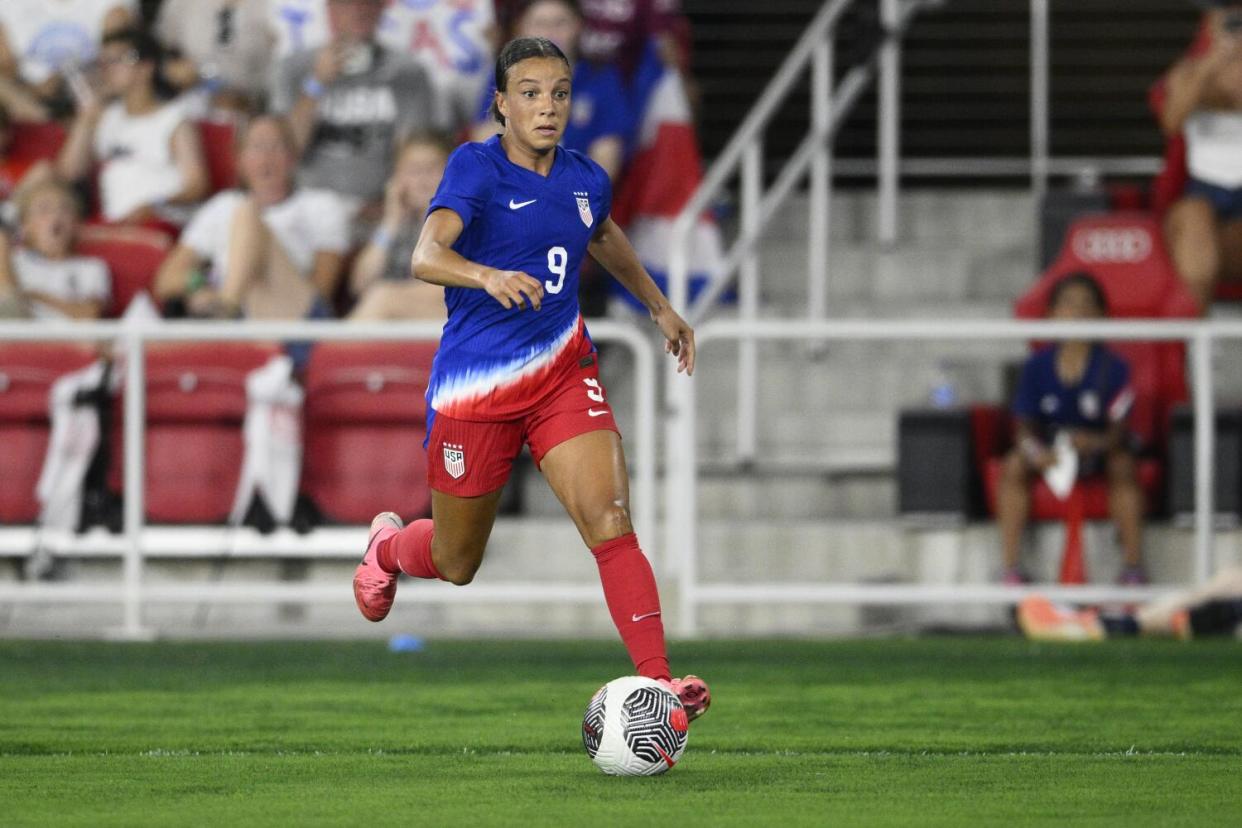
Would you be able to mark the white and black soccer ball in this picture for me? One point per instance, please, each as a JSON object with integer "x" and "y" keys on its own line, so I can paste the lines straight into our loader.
{"x": 634, "y": 726}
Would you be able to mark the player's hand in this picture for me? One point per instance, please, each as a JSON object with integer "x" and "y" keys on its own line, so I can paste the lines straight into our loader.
{"x": 514, "y": 289}
{"x": 678, "y": 338}
{"x": 328, "y": 62}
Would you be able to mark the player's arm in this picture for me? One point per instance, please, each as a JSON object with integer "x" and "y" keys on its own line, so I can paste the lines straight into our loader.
{"x": 613, "y": 250}
{"x": 435, "y": 261}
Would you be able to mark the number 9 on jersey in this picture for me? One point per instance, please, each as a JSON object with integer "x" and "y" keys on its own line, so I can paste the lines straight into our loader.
{"x": 558, "y": 257}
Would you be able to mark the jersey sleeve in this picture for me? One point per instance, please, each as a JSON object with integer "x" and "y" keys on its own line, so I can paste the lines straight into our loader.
{"x": 466, "y": 186}
{"x": 605, "y": 200}
{"x": 1120, "y": 394}
{"x": 1026, "y": 398}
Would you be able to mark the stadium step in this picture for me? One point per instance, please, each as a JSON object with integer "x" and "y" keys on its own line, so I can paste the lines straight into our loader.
{"x": 548, "y": 551}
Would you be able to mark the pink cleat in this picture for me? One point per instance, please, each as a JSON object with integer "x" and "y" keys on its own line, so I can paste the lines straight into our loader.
{"x": 374, "y": 588}
{"x": 694, "y": 695}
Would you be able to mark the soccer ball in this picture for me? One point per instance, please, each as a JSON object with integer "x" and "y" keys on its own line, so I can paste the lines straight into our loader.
{"x": 634, "y": 726}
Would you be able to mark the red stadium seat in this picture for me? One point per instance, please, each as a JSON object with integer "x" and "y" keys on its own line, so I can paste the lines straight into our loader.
{"x": 218, "y": 139}
{"x": 27, "y": 372}
{"x": 196, "y": 403}
{"x": 37, "y": 141}
{"x": 133, "y": 255}
{"x": 1126, "y": 254}
{"x": 365, "y": 422}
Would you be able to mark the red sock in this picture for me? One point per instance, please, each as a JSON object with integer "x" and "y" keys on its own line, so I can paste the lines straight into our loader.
{"x": 409, "y": 551}
{"x": 634, "y": 601}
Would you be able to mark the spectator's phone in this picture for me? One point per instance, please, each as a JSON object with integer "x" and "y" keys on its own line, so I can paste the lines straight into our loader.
{"x": 79, "y": 86}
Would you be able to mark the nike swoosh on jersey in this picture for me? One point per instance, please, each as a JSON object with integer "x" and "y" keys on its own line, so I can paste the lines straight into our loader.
{"x": 637, "y": 617}
{"x": 516, "y": 205}
{"x": 591, "y": 412}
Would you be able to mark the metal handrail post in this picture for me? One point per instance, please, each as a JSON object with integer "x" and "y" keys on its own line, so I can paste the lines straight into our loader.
{"x": 1205, "y": 448}
{"x": 135, "y": 507}
{"x": 748, "y": 302}
{"x": 889, "y": 139}
{"x": 682, "y": 505}
{"x": 1040, "y": 106}
{"x": 819, "y": 215}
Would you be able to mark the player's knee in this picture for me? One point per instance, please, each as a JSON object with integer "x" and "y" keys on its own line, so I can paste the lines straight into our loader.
{"x": 459, "y": 572}
{"x": 611, "y": 522}
{"x": 1014, "y": 468}
{"x": 1121, "y": 468}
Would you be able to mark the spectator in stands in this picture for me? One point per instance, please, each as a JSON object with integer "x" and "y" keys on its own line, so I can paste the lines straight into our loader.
{"x": 11, "y": 168}
{"x": 600, "y": 122}
{"x": 618, "y": 32}
{"x": 223, "y": 48}
{"x": 151, "y": 164}
{"x": 350, "y": 103}
{"x": 1204, "y": 103}
{"x": 267, "y": 251}
{"x": 381, "y": 275}
{"x": 45, "y": 44}
{"x": 41, "y": 278}
{"x": 454, "y": 40}
{"x": 1079, "y": 393}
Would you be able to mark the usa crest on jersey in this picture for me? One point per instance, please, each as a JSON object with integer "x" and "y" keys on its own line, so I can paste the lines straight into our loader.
{"x": 454, "y": 460}
{"x": 584, "y": 208}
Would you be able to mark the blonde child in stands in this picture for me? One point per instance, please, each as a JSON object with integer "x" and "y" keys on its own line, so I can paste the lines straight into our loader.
{"x": 151, "y": 163}
{"x": 381, "y": 277}
{"x": 40, "y": 278}
{"x": 268, "y": 251}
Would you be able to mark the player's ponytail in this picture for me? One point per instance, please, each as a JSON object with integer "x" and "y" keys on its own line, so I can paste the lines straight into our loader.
{"x": 516, "y": 51}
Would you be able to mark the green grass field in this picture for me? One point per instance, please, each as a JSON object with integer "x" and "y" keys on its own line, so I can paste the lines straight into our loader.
{"x": 928, "y": 732}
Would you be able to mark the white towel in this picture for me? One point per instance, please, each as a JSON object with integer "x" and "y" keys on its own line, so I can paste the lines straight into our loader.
{"x": 272, "y": 464}
{"x": 70, "y": 448}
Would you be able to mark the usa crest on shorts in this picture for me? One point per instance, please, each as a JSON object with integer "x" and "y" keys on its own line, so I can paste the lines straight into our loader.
{"x": 454, "y": 460}
{"x": 584, "y": 208}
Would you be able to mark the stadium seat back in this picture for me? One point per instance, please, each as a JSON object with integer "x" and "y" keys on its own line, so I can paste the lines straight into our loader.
{"x": 1126, "y": 253}
{"x": 365, "y": 423}
{"x": 218, "y": 139}
{"x": 27, "y": 372}
{"x": 37, "y": 141}
{"x": 133, "y": 256}
{"x": 196, "y": 404}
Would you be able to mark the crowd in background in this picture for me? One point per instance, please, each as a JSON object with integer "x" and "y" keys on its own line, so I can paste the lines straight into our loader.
{"x": 343, "y": 111}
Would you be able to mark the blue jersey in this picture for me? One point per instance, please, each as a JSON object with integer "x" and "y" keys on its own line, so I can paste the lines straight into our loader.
{"x": 496, "y": 363}
{"x": 598, "y": 108}
{"x": 1103, "y": 396}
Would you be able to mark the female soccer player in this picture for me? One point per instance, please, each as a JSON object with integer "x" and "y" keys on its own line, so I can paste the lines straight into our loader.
{"x": 505, "y": 235}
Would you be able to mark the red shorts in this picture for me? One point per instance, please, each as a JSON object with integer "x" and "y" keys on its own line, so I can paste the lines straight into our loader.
{"x": 468, "y": 458}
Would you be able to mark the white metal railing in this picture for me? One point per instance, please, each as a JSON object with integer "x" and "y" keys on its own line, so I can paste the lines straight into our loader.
{"x": 681, "y": 525}
{"x": 133, "y": 593}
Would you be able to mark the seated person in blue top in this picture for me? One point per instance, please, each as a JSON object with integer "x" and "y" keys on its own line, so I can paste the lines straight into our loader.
{"x": 600, "y": 122}
{"x": 1082, "y": 389}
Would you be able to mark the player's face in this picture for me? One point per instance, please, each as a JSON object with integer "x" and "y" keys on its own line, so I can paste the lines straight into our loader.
{"x": 536, "y": 102}
{"x": 1076, "y": 302}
